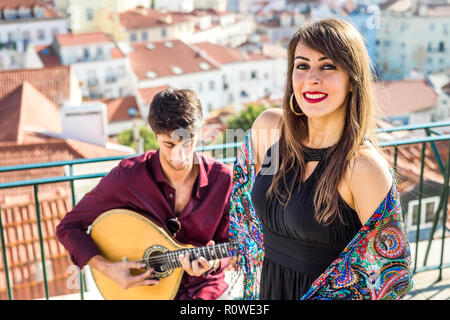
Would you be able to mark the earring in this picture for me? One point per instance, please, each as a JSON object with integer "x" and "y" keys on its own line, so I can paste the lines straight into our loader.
{"x": 291, "y": 104}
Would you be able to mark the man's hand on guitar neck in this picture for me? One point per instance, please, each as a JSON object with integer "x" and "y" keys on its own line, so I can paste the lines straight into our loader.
{"x": 120, "y": 272}
{"x": 199, "y": 266}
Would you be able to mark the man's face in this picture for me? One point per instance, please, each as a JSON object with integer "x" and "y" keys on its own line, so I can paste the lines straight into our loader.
{"x": 176, "y": 150}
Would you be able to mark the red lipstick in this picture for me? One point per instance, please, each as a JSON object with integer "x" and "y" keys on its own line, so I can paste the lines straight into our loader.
{"x": 314, "y": 96}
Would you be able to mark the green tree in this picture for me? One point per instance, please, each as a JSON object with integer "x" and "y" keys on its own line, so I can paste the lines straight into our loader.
{"x": 246, "y": 118}
{"x": 243, "y": 121}
{"x": 126, "y": 138}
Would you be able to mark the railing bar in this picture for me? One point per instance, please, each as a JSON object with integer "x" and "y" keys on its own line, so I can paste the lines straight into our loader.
{"x": 419, "y": 211}
{"x": 414, "y": 127}
{"x": 41, "y": 239}
{"x": 5, "y": 258}
{"x": 444, "y": 216}
{"x": 429, "y": 268}
{"x": 433, "y": 228}
{"x": 31, "y": 182}
{"x": 395, "y": 158}
{"x": 62, "y": 163}
{"x": 413, "y": 141}
{"x": 72, "y": 190}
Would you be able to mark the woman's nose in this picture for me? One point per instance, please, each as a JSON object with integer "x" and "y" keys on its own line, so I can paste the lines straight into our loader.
{"x": 313, "y": 76}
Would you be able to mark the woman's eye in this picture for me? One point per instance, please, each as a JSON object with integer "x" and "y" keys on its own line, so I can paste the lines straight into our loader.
{"x": 329, "y": 67}
{"x": 302, "y": 66}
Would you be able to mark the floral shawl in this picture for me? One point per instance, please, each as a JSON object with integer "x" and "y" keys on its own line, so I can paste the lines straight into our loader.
{"x": 376, "y": 264}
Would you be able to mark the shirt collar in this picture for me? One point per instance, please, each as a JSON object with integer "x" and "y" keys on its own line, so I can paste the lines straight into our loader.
{"x": 158, "y": 174}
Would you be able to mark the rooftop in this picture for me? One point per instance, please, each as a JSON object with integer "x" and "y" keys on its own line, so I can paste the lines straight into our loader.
{"x": 52, "y": 82}
{"x": 26, "y": 107}
{"x": 141, "y": 18}
{"x": 78, "y": 39}
{"x": 405, "y": 96}
{"x": 151, "y": 60}
{"x": 224, "y": 55}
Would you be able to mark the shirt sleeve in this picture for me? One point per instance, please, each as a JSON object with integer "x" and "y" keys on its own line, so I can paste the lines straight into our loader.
{"x": 72, "y": 230}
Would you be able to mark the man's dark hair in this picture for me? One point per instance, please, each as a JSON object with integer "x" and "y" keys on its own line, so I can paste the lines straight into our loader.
{"x": 174, "y": 109}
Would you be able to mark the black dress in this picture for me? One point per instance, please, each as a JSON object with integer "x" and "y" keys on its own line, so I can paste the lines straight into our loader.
{"x": 297, "y": 248}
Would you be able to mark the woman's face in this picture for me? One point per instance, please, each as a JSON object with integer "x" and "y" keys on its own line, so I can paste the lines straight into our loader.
{"x": 320, "y": 86}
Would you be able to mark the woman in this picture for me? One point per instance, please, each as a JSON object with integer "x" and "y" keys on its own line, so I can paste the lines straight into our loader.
{"x": 317, "y": 180}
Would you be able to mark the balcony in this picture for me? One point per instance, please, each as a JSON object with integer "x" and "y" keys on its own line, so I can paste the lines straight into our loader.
{"x": 422, "y": 163}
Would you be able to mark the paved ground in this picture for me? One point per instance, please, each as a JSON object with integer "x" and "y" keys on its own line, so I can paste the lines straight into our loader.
{"x": 426, "y": 286}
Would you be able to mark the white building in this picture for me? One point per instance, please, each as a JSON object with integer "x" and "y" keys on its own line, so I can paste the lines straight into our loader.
{"x": 441, "y": 84}
{"x": 246, "y": 77}
{"x": 25, "y": 22}
{"x": 221, "y": 76}
{"x": 144, "y": 24}
{"x": 413, "y": 36}
{"x": 176, "y": 64}
{"x": 101, "y": 67}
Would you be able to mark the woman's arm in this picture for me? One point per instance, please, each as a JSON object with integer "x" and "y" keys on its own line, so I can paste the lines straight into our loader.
{"x": 266, "y": 130}
{"x": 370, "y": 181}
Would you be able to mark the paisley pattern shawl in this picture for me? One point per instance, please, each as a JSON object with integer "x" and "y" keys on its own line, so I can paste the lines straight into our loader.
{"x": 376, "y": 264}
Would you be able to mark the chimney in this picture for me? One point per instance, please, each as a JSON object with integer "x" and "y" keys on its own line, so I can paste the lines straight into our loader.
{"x": 87, "y": 123}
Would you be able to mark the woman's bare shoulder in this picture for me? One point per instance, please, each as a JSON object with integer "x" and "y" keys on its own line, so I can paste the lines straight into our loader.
{"x": 266, "y": 130}
{"x": 370, "y": 180}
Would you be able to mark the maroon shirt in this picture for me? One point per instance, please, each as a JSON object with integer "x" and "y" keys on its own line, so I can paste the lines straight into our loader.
{"x": 139, "y": 184}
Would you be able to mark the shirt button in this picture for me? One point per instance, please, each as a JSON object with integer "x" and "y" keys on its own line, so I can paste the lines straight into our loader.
{"x": 171, "y": 195}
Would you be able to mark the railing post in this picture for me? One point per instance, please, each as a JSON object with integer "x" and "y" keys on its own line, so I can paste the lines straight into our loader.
{"x": 72, "y": 190}
{"x": 5, "y": 258}
{"x": 41, "y": 239}
{"x": 444, "y": 216}
{"x": 419, "y": 211}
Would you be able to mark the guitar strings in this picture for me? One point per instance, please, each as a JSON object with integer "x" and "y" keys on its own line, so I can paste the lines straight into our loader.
{"x": 164, "y": 258}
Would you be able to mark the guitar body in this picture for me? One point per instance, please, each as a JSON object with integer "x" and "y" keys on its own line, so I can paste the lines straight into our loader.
{"x": 120, "y": 233}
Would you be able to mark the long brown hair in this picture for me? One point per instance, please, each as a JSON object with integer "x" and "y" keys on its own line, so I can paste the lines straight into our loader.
{"x": 343, "y": 44}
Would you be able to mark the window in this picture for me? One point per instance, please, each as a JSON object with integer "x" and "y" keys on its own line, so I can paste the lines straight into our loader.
{"x": 89, "y": 14}
{"x": 441, "y": 47}
{"x": 429, "y": 206}
{"x": 211, "y": 85}
{"x": 144, "y": 36}
{"x": 254, "y": 75}
{"x": 85, "y": 53}
{"x": 133, "y": 37}
{"x": 99, "y": 52}
{"x": 41, "y": 34}
{"x": 163, "y": 32}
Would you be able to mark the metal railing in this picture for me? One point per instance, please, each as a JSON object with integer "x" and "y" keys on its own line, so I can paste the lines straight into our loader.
{"x": 431, "y": 138}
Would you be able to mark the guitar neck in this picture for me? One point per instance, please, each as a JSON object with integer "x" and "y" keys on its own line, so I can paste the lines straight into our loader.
{"x": 170, "y": 260}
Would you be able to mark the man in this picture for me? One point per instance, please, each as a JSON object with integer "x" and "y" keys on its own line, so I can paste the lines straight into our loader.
{"x": 174, "y": 187}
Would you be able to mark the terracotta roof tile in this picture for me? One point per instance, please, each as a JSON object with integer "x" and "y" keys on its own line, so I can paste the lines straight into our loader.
{"x": 48, "y": 56}
{"x": 117, "y": 108}
{"x": 405, "y": 96}
{"x": 22, "y": 245}
{"x": 223, "y": 55}
{"x": 148, "y": 18}
{"x": 162, "y": 57}
{"x": 77, "y": 39}
{"x": 53, "y": 82}
{"x": 27, "y": 107}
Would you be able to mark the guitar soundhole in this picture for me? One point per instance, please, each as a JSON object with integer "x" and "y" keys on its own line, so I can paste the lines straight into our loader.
{"x": 155, "y": 258}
